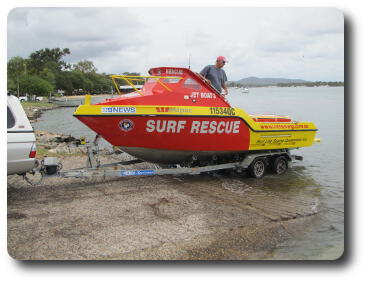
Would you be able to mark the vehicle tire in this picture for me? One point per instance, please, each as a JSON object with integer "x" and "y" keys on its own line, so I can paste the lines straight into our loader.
{"x": 280, "y": 165}
{"x": 257, "y": 168}
{"x": 37, "y": 100}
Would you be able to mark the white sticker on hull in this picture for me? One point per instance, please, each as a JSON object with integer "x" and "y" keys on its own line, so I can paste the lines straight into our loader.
{"x": 197, "y": 127}
{"x": 117, "y": 109}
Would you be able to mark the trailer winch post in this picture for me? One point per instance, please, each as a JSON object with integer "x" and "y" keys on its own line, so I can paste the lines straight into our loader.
{"x": 92, "y": 153}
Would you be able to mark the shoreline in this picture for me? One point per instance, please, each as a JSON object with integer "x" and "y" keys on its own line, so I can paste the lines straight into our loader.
{"x": 35, "y": 110}
{"x": 92, "y": 95}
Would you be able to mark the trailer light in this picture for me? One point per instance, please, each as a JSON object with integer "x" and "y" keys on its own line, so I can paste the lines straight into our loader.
{"x": 33, "y": 152}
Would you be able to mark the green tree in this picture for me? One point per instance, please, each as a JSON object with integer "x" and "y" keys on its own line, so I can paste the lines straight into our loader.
{"x": 88, "y": 85}
{"x": 33, "y": 84}
{"x": 64, "y": 82}
{"x": 16, "y": 67}
{"x": 12, "y": 86}
{"x": 45, "y": 71}
{"x": 48, "y": 75}
{"x": 104, "y": 84}
{"x": 78, "y": 79}
{"x": 101, "y": 83}
{"x": 85, "y": 66}
{"x": 42, "y": 58}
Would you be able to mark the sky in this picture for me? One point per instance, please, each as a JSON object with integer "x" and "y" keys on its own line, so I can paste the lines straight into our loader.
{"x": 296, "y": 43}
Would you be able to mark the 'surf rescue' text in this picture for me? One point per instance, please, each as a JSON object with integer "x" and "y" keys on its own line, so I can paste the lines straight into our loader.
{"x": 196, "y": 127}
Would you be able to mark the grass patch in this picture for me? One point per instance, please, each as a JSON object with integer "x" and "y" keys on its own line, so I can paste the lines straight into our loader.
{"x": 42, "y": 152}
{"x": 27, "y": 104}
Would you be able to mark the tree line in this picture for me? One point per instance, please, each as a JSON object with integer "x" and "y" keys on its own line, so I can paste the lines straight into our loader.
{"x": 45, "y": 72}
{"x": 311, "y": 84}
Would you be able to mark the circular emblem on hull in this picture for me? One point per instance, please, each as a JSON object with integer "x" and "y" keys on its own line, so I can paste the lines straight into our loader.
{"x": 126, "y": 125}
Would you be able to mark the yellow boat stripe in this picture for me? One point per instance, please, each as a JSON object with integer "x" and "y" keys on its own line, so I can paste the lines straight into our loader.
{"x": 111, "y": 110}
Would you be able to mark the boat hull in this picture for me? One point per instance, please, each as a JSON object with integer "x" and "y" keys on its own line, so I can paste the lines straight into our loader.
{"x": 172, "y": 132}
{"x": 164, "y": 137}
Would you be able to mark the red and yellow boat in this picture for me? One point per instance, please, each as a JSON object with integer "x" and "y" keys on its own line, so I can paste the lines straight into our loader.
{"x": 176, "y": 117}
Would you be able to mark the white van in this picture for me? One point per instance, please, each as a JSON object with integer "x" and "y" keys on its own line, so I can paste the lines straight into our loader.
{"x": 21, "y": 139}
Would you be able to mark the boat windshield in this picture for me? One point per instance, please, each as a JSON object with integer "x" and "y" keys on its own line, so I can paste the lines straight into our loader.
{"x": 138, "y": 80}
{"x": 171, "y": 80}
{"x": 191, "y": 84}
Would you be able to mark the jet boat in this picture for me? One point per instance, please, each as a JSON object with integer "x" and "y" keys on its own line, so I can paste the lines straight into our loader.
{"x": 177, "y": 118}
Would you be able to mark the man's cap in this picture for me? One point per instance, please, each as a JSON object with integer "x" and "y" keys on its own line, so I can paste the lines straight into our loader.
{"x": 222, "y": 58}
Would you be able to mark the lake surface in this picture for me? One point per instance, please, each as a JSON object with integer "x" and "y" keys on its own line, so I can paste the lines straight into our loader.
{"x": 323, "y": 163}
{"x": 320, "y": 177}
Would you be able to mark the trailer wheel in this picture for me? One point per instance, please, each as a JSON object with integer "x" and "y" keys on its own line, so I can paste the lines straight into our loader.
{"x": 280, "y": 165}
{"x": 257, "y": 168}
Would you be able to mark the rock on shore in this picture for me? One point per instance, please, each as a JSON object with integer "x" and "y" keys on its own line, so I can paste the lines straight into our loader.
{"x": 57, "y": 144}
{"x": 51, "y": 144}
{"x": 34, "y": 112}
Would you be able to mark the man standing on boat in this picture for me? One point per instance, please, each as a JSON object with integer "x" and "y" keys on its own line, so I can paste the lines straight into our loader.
{"x": 215, "y": 75}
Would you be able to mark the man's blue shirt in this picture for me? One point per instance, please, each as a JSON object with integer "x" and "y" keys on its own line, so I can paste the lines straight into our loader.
{"x": 217, "y": 76}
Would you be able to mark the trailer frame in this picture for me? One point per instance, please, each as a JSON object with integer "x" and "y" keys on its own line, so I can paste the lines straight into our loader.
{"x": 52, "y": 167}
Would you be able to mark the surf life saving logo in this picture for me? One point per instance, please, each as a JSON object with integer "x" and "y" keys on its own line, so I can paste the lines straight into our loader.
{"x": 173, "y": 109}
{"x": 126, "y": 125}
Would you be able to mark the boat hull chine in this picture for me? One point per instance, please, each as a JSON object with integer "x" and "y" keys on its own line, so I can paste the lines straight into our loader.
{"x": 163, "y": 156}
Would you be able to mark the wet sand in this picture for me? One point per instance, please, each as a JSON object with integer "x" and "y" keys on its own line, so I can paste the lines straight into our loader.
{"x": 201, "y": 217}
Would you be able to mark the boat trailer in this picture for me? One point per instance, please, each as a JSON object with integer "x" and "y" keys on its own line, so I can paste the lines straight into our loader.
{"x": 255, "y": 163}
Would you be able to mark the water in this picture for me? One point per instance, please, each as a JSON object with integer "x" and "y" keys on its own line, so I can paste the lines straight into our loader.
{"x": 323, "y": 165}
{"x": 319, "y": 179}
{"x": 62, "y": 121}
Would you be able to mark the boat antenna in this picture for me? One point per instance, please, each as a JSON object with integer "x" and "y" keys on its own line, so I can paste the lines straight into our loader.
{"x": 189, "y": 62}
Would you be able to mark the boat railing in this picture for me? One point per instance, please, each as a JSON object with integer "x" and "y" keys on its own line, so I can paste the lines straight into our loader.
{"x": 131, "y": 79}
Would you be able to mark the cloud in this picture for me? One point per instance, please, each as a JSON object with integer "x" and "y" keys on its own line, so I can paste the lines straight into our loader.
{"x": 88, "y": 32}
{"x": 305, "y": 43}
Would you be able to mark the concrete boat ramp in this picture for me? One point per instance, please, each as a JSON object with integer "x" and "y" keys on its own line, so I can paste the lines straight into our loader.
{"x": 203, "y": 217}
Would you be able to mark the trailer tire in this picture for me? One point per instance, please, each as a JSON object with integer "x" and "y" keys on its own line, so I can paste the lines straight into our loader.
{"x": 258, "y": 167}
{"x": 280, "y": 165}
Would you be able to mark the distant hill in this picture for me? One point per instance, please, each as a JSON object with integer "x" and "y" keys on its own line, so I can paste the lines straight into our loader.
{"x": 254, "y": 81}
